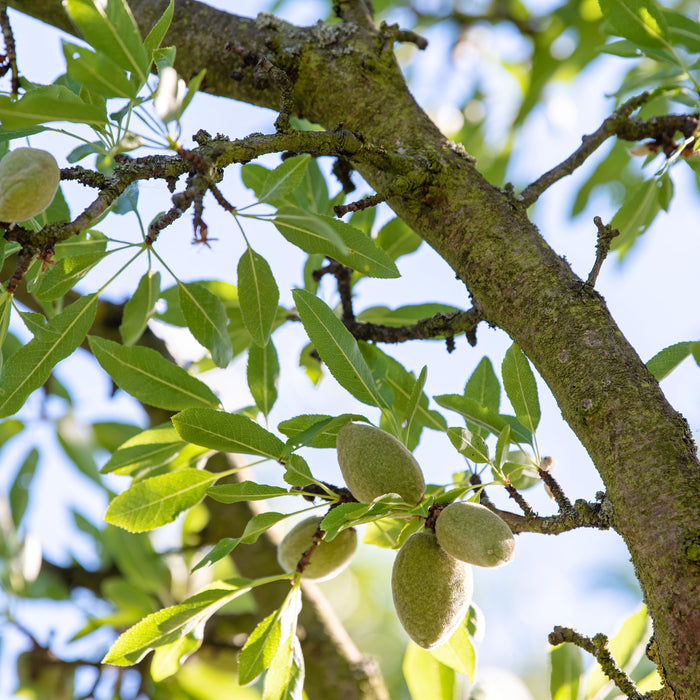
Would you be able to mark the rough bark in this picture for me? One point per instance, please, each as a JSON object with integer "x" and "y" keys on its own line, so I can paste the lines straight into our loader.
{"x": 346, "y": 73}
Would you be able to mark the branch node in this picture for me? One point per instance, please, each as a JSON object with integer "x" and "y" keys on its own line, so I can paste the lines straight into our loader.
{"x": 598, "y": 648}
{"x": 263, "y": 65}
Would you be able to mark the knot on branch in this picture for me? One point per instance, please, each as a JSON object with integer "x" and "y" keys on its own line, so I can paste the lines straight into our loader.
{"x": 263, "y": 66}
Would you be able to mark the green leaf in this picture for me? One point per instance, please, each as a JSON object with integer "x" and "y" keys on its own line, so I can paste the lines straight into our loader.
{"x": 285, "y": 678}
{"x": 260, "y": 648}
{"x": 206, "y": 318}
{"x": 397, "y": 239}
{"x": 640, "y": 21}
{"x": 639, "y": 209}
{"x": 519, "y": 383}
{"x": 263, "y": 375}
{"x": 626, "y": 647}
{"x": 426, "y": 677}
{"x": 29, "y": 367}
{"x": 49, "y": 103}
{"x": 384, "y": 533}
{"x": 160, "y": 29}
{"x": 470, "y": 444}
{"x": 149, "y": 377}
{"x": 315, "y": 429}
{"x": 226, "y": 432}
{"x": 148, "y": 449}
{"x": 159, "y": 500}
{"x": 297, "y": 471}
{"x": 457, "y": 653}
{"x": 110, "y": 27}
{"x": 168, "y": 659}
{"x": 501, "y": 451}
{"x": 337, "y": 348}
{"x": 484, "y": 388}
{"x": 60, "y": 278}
{"x": 483, "y": 417}
{"x": 404, "y": 315}
{"x": 258, "y": 295}
{"x": 97, "y": 72}
{"x": 284, "y": 179}
{"x": 669, "y": 358}
{"x": 414, "y": 399}
{"x": 245, "y": 491}
{"x": 170, "y": 624}
{"x": 21, "y": 485}
{"x": 314, "y": 233}
{"x": 254, "y": 176}
{"x": 392, "y": 376}
{"x": 140, "y": 307}
{"x": 312, "y": 192}
{"x": 567, "y": 667}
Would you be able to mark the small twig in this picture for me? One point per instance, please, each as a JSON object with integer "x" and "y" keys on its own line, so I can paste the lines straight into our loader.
{"x": 437, "y": 326}
{"x": 565, "y": 505}
{"x": 522, "y": 503}
{"x": 606, "y": 233}
{"x": 342, "y": 169}
{"x": 25, "y": 258}
{"x": 263, "y": 64}
{"x": 342, "y": 275}
{"x": 598, "y": 648}
{"x": 360, "y": 204}
{"x": 181, "y": 203}
{"x": 8, "y": 60}
{"x": 404, "y": 35}
{"x": 589, "y": 144}
{"x": 221, "y": 200}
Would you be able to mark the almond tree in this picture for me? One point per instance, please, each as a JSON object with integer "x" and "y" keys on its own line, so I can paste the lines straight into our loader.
{"x": 339, "y": 92}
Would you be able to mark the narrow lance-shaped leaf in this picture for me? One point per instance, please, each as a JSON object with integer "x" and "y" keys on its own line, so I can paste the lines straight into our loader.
{"x": 29, "y": 367}
{"x": 567, "y": 667}
{"x": 260, "y": 648}
{"x": 427, "y": 677}
{"x": 245, "y": 491}
{"x": 285, "y": 677}
{"x": 258, "y": 295}
{"x": 50, "y": 103}
{"x": 314, "y": 233}
{"x": 149, "y": 377}
{"x": 457, "y": 653}
{"x": 97, "y": 72}
{"x": 226, "y": 432}
{"x": 520, "y": 385}
{"x": 170, "y": 624}
{"x": 19, "y": 491}
{"x": 110, "y": 27}
{"x": 206, "y": 318}
{"x": 160, "y": 28}
{"x": 284, "y": 179}
{"x": 337, "y": 348}
{"x": 159, "y": 500}
{"x": 263, "y": 375}
{"x": 470, "y": 444}
{"x": 640, "y": 21}
{"x": 140, "y": 307}
{"x": 484, "y": 388}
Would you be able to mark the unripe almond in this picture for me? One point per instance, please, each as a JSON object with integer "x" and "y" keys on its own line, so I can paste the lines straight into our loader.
{"x": 432, "y": 590}
{"x": 474, "y": 534}
{"x": 374, "y": 463}
{"x": 29, "y": 179}
{"x": 326, "y": 560}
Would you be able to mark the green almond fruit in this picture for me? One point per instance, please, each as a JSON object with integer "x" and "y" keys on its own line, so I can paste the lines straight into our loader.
{"x": 29, "y": 178}
{"x": 374, "y": 463}
{"x": 326, "y": 561}
{"x": 432, "y": 590}
{"x": 472, "y": 533}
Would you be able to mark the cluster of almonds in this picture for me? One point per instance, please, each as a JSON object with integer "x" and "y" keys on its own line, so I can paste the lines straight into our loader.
{"x": 431, "y": 579}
